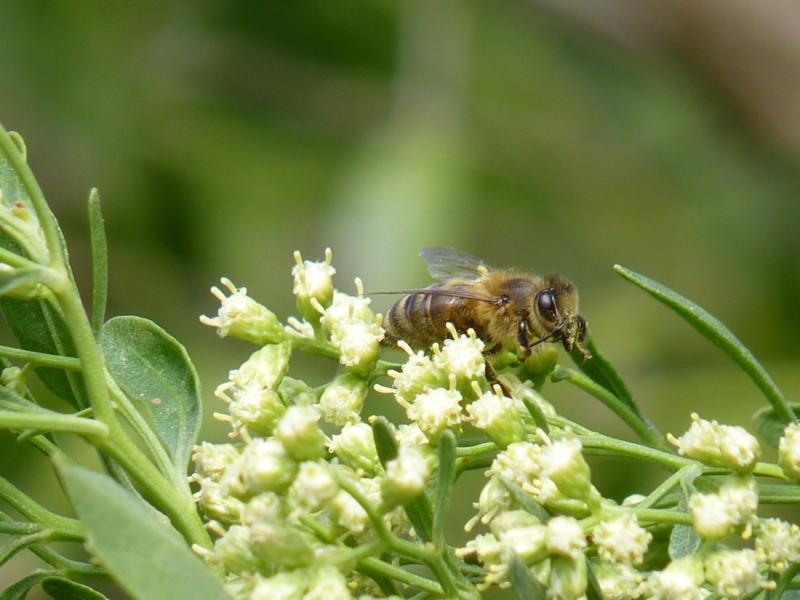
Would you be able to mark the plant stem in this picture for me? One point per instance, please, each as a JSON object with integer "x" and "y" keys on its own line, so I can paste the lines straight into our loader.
{"x": 41, "y": 359}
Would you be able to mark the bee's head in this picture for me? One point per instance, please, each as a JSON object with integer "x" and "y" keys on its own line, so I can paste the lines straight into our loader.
{"x": 557, "y": 308}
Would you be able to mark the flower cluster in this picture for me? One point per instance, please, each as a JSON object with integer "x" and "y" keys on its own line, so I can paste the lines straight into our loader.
{"x": 314, "y": 498}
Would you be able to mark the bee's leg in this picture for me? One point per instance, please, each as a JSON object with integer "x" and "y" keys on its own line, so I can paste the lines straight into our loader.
{"x": 491, "y": 374}
{"x": 524, "y": 348}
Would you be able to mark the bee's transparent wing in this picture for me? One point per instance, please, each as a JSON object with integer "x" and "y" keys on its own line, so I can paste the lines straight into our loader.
{"x": 445, "y": 264}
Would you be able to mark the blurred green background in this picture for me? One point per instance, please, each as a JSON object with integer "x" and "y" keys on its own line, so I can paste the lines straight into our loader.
{"x": 552, "y": 136}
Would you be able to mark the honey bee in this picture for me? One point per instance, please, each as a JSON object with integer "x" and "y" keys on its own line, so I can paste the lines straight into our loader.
{"x": 506, "y": 308}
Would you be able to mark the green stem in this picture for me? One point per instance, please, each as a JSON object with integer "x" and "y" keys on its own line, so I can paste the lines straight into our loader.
{"x": 36, "y": 513}
{"x": 639, "y": 424}
{"x": 378, "y": 567}
{"x": 41, "y": 359}
{"x": 52, "y": 421}
{"x": 615, "y": 447}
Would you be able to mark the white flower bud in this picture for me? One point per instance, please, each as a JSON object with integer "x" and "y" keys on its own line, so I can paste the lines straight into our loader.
{"x": 299, "y": 433}
{"x": 565, "y": 537}
{"x": 718, "y": 445}
{"x": 343, "y": 399}
{"x": 436, "y": 411}
{"x": 266, "y": 467}
{"x": 789, "y": 451}
{"x": 680, "y": 580}
{"x": 564, "y": 465}
{"x": 252, "y": 408}
{"x": 497, "y": 415}
{"x": 211, "y": 460}
{"x": 359, "y": 345}
{"x": 528, "y": 542}
{"x": 619, "y": 581}
{"x": 417, "y": 375}
{"x": 461, "y": 357}
{"x": 778, "y": 544}
{"x": 287, "y": 585}
{"x": 277, "y": 543}
{"x": 327, "y": 583}
{"x": 622, "y": 540}
{"x": 264, "y": 368}
{"x": 241, "y": 317}
{"x": 520, "y": 463}
{"x": 314, "y": 486}
{"x": 233, "y": 551}
{"x": 215, "y": 504}
{"x": 355, "y": 447}
{"x": 350, "y": 515}
{"x": 313, "y": 284}
{"x": 734, "y": 573}
{"x": 406, "y": 476}
{"x": 715, "y": 516}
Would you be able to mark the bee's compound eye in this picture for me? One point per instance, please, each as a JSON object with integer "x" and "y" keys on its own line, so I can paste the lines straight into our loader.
{"x": 546, "y": 305}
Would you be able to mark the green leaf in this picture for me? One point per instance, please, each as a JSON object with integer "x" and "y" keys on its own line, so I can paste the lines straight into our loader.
{"x": 99, "y": 261}
{"x": 385, "y": 442}
{"x": 593, "y": 589}
{"x": 769, "y": 425}
{"x": 716, "y": 332}
{"x": 525, "y": 501}
{"x": 147, "y": 558}
{"x": 445, "y": 482}
{"x": 683, "y": 539}
{"x": 39, "y": 328}
{"x": 19, "y": 589}
{"x": 154, "y": 370}
{"x": 66, "y": 589}
{"x": 523, "y": 582}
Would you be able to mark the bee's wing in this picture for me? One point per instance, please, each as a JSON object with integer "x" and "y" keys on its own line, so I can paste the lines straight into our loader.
{"x": 445, "y": 264}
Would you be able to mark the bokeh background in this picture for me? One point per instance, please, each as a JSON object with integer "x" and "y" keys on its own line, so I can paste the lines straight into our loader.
{"x": 557, "y": 136}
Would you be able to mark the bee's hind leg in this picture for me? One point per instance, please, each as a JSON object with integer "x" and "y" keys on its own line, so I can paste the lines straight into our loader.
{"x": 491, "y": 375}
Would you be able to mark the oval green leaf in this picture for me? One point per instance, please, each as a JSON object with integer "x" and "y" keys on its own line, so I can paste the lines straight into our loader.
{"x": 66, "y": 589}
{"x": 154, "y": 370}
{"x": 144, "y": 556}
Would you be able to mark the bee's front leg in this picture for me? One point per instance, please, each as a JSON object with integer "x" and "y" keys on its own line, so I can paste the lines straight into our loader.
{"x": 491, "y": 375}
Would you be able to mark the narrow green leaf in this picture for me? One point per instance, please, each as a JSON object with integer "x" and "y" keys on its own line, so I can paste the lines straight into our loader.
{"x": 19, "y": 589}
{"x": 536, "y": 413}
{"x": 147, "y": 558}
{"x": 39, "y": 328}
{"x": 716, "y": 332}
{"x": 523, "y": 582}
{"x": 769, "y": 425}
{"x": 525, "y": 501}
{"x": 97, "y": 232}
{"x": 61, "y": 588}
{"x": 154, "y": 370}
{"x": 445, "y": 482}
{"x": 385, "y": 442}
{"x": 593, "y": 589}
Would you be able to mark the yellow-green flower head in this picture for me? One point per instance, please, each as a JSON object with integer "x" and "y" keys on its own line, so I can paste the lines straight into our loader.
{"x": 778, "y": 544}
{"x": 355, "y": 447}
{"x": 734, "y": 573}
{"x": 286, "y": 585}
{"x": 730, "y": 510}
{"x": 680, "y": 580}
{"x": 211, "y": 460}
{"x": 497, "y": 415}
{"x": 435, "y": 411}
{"x": 233, "y": 551}
{"x": 622, "y": 540}
{"x": 406, "y": 476}
{"x": 265, "y": 466}
{"x": 343, "y": 399}
{"x": 462, "y": 356}
{"x": 564, "y": 465}
{"x": 299, "y": 433}
{"x": 327, "y": 583}
{"x": 314, "y": 486}
{"x": 417, "y": 375}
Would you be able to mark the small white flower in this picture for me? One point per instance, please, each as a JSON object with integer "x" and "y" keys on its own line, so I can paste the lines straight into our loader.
{"x": 214, "y": 503}
{"x": 359, "y": 345}
{"x": 778, "y": 544}
{"x": 233, "y": 551}
{"x": 406, "y": 476}
{"x": 345, "y": 309}
{"x": 497, "y": 415}
{"x": 327, "y": 583}
{"x": 287, "y": 585}
{"x": 355, "y": 447}
{"x": 568, "y": 578}
{"x": 734, "y": 573}
{"x": 493, "y": 499}
{"x": 343, "y": 399}
{"x": 417, "y": 375}
{"x": 313, "y": 284}
{"x": 727, "y": 446}
{"x": 350, "y": 515}
{"x": 314, "y": 486}
{"x": 299, "y": 433}
{"x": 211, "y": 460}
{"x": 680, "y": 580}
{"x": 529, "y": 543}
{"x": 789, "y": 451}
{"x": 243, "y": 318}
{"x": 565, "y": 537}
{"x": 252, "y": 409}
{"x": 520, "y": 463}
{"x": 712, "y": 516}
{"x": 435, "y": 411}
{"x": 266, "y": 467}
{"x": 619, "y": 581}
{"x": 564, "y": 465}
{"x": 461, "y": 356}
{"x": 622, "y": 540}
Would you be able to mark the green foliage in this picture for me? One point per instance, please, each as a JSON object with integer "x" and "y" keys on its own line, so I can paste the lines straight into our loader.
{"x": 284, "y": 514}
